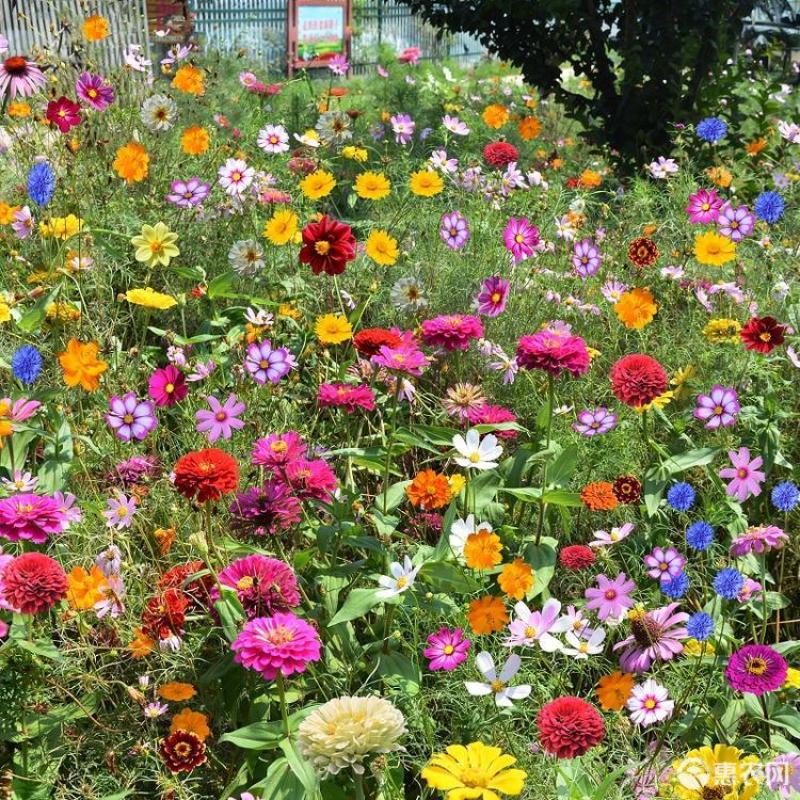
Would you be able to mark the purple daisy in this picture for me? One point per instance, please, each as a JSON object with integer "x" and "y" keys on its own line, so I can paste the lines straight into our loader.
{"x": 130, "y": 418}
{"x": 664, "y": 564}
{"x": 186, "y": 194}
{"x": 735, "y": 222}
{"x": 586, "y": 258}
{"x": 595, "y": 421}
{"x": 446, "y": 649}
{"x": 94, "y": 90}
{"x": 265, "y": 363}
{"x": 756, "y": 669}
{"x": 493, "y": 296}
{"x": 454, "y": 230}
{"x": 718, "y": 408}
{"x": 655, "y": 636}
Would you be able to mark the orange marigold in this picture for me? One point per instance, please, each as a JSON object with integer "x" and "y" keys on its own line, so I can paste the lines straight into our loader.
{"x": 495, "y": 115}
{"x": 192, "y": 721}
{"x": 141, "y": 645}
{"x": 636, "y": 308}
{"x": 516, "y": 579}
{"x": 487, "y": 614}
{"x": 194, "y": 140}
{"x": 529, "y": 128}
{"x": 429, "y": 490}
{"x": 482, "y": 550}
{"x": 599, "y": 496}
{"x": 190, "y": 79}
{"x": 132, "y": 163}
{"x": 176, "y": 692}
{"x": 614, "y": 690}
{"x": 81, "y": 364}
{"x": 95, "y": 28}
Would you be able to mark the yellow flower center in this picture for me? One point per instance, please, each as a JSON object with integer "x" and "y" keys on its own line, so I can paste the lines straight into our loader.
{"x": 323, "y": 248}
{"x": 474, "y": 457}
{"x": 402, "y": 582}
{"x": 449, "y": 649}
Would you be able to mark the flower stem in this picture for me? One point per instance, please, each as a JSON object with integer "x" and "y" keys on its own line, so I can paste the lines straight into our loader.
{"x": 284, "y": 711}
{"x": 549, "y": 428}
{"x": 358, "y": 785}
{"x": 390, "y": 443}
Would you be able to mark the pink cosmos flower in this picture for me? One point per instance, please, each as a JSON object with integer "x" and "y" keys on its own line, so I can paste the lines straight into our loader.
{"x": 746, "y": 478}
{"x": 586, "y": 258}
{"x": 235, "y": 176}
{"x": 607, "y": 538}
{"x": 265, "y": 363}
{"x": 595, "y": 422}
{"x": 451, "y": 331}
{"x": 30, "y": 517}
{"x": 411, "y": 55}
{"x": 64, "y": 113}
{"x": 346, "y": 396}
{"x": 704, "y": 206}
{"x": 553, "y": 350}
{"x": 493, "y": 296}
{"x": 655, "y": 636}
{"x": 529, "y": 627}
{"x": 758, "y": 539}
{"x": 446, "y": 649}
{"x": 735, "y": 222}
{"x": 649, "y": 703}
{"x": 520, "y": 238}
{"x": 130, "y": 418}
{"x": 222, "y": 419}
{"x": 664, "y": 564}
{"x": 718, "y": 408}
{"x": 23, "y": 221}
{"x": 167, "y": 386}
{"x": 610, "y": 598}
{"x": 119, "y": 511}
{"x": 94, "y": 91}
{"x": 407, "y": 358}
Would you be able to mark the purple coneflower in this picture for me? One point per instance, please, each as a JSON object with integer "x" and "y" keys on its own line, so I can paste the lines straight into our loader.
{"x": 655, "y": 636}
{"x": 18, "y": 76}
{"x": 454, "y": 230}
{"x": 493, "y": 296}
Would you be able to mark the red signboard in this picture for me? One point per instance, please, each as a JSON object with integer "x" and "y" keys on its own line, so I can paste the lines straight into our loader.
{"x": 318, "y": 30}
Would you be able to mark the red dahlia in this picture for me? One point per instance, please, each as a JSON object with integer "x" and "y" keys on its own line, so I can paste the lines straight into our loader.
{"x": 327, "y": 246}
{"x": 643, "y": 252}
{"x": 569, "y": 727}
{"x": 206, "y": 474}
{"x": 33, "y": 582}
{"x": 576, "y": 557}
{"x": 182, "y": 751}
{"x": 762, "y": 335}
{"x": 627, "y": 489}
{"x": 165, "y": 614}
{"x": 369, "y": 341}
{"x": 637, "y": 380}
{"x": 500, "y": 154}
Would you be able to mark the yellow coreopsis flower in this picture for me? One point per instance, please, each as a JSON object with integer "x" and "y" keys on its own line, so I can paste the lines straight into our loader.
{"x": 281, "y": 227}
{"x": 381, "y": 248}
{"x": 333, "y": 329}
{"x": 711, "y": 248}
{"x": 372, "y": 186}
{"x": 426, "y": 183}
{"x": 61, "y": 227}
{"x": 149, "y": 298}
{"x": 722, "y": 331}
{"x": 358, "y": 154}
{"x": 155, "y": 245}
{"x": 318, "y": 184}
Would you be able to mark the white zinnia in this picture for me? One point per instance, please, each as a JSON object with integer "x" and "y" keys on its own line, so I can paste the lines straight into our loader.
{"x": 476, "y": 452}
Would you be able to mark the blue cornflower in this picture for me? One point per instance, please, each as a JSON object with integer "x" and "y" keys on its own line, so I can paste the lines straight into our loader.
{"x": 41, "y": 183}
{"x": 728, "y": 583}
{"x": 26, "y": 363}
{"x": 699, "y": 535}
{"x": 769, "y": 207}
{"x": 785, "y": 496}
{"x": 700, "y": 626}
{"x": 681, "y": 496}
{"x": 711, "y": 129}
{"x": 676, "y": 587}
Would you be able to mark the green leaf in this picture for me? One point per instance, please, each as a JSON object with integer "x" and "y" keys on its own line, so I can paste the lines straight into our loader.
{"x": 32, "y": 319}
{"x": 690, "y": 459}
{"x": 561, "y": 497}
{"x": 222, "y": 285}
{"x": 280, "y": 784}
{"x": 528, "y": 494}
{"x": 358, "y": 603}
{"x": 542, "y": 558}
{"x": 395, "y": 495}
{"x": 231, "y": 613}
{"x": 257, "y": 736}
{"x": 400, "y": 671}
{"x": 563, "y": 468}
{"x": 58, "y": 453}
{"x": 301, "y": 769}
{"x": 447, "y": 577}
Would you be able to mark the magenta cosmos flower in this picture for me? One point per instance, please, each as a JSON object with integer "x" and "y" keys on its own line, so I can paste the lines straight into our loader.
{"x": 554, "y": 351}
{"x": 167, "y": 386}
{"x": 454, "y": 230}
{"x": 222, "y": 419}
{"x": 64, "y": 114}
{"x": 664, "y": 564}
{"x": 718, "y": 408}
{"x": 586, "y": 258}
{"x": 130, "y": 418}
{"x": 520, "y": 238}
{"x": 610, "y": 598}
{"x": 758, "y": 539}
{"x": 267, "y": 364}
{"x": 655, "y": 636}
{"x": 493, "y": 296}
{"x": 735, "y": 222}
{"x": 746, "y": 479}
{"x": 281, "y": 644}
{"x": 756, "y": 669}
{"x": 704, "y": 206}
{"x": 446, "y": 649}
{"x": 18, "y": 76}
{"x": 451, "y": 331}
{"x": 185, "y": 194}
{"x": 94, "y": 91}
{"x": 595, "y": 421}
{"x": 263, "y": 585}
{"x": 30, "y": 517}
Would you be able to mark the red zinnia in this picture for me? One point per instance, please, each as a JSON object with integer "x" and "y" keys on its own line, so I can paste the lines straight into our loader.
{"x": 165, "y": 614}
{"x": 569, "y": 727}
{"x": 637, "y": 380}
{"x": 369, "y": 341}
{"x": 327, "y": 246}
{"x": 643, "y": 252}
{"x": 182, "y": 751}
{"x": 33, "y": 582}
{"x": 206, "y": 474}
{"x": 63, "y": 113}
{"x": 576, "y": 557}
{"x": 500, "y": 154}
{"x": 762, "y": 335}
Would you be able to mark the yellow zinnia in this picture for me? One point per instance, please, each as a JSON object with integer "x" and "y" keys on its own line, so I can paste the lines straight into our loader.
{"x": 381, "y": 248}
{"x": 281, "y": 227}
{"x": 155, "y": 245}
{"x": 318, "y": 184}
{"x": 372, "y": 186}
{"x": 333, "y": 329}
{"x": 149, "y": 298}
{"x": 636, "y": 308}
{"x": 711, "y": 248}
{"x": 426, "y": 183}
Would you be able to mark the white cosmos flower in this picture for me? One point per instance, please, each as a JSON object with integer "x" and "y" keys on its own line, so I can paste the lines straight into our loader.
{"x": 462, "y": 529}
{"x": 401, "y": 579}
{"x": 581, "y": 648}
{"x": 476, "y": 452}
{"x": 498, "y": 684}
{"x": 529, "y": 626}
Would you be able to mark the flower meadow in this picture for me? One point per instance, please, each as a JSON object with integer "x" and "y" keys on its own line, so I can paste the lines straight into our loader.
{"x": 371, "y": 437}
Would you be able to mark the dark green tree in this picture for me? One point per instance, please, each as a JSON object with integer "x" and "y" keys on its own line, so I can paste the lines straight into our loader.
{"x": 648, "y": 61}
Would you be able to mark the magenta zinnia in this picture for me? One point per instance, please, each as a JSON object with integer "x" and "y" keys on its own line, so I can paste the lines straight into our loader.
{"x": 756, "y": 669}
{"x": 553, "y": 350}
{"x": 30, "y": 517}
{"x": 263, "y": 585}
{"x": 452, "y": 332}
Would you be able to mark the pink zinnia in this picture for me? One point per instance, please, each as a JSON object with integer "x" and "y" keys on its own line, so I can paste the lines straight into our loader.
{"x": 446, "y": 649}
{"x": 222, "y": 418}
{"x": 346, "y": 396}
{"x": 492, "y": 298}
{"x": 30, "y": 517}
{"x": 553, "y": 351}
{"x": 278, "y": 449}
{"x": 5, "y": 560}
{"x": 758, "y": 539}
{"x": 282, "y": 644}
{"x": 756, "y": 669}
{"x": 263, "y": 585}
{"x": 746, "y": 478}
{"x": 311, "y": 479}
{"x": 610, "y": 598}
{"x": 704, "y": 206}
{"x": 655, "y": 636}
{"x": 520, "y": 238}
{"x": 492, "y": 415}
{"x": 94, "y": 91}
{"x": 167, "y": 386}
{"x": 451, "y": 331}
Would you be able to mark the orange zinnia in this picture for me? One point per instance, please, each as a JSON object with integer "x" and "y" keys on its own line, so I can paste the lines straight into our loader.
{"x": 194, "y": 140}
{"x": 132, "y": 162}
{"x": 193, "y": 721}
{"x": 176, "y": 692}
{"x": 190, "y": 79}
{"x": 487, "y": 614}
{"x": 482, "y": 550}
{"x": 516, "y": 579}
{"x": 529, "y": 128}
{"x": 599, "y": 496}
{"x": 429, "y": 490}
{"x": 614, "y": 690}
{"x": 81, "y": 364}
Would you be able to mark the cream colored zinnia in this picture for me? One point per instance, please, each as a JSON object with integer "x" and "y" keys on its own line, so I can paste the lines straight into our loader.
{"x": 344, "y": 731}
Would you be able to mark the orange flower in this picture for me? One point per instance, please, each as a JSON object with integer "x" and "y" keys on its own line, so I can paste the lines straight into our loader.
{"x": 529, "y": 128}
{"x": 516, "y": 579}
{"x": 614, "y": 690}
{"x": 194, "y": 140}
{"x": 95, "y": 28}
{"x": 165, "y": 538}
{"x": 636, "y": 308}
{"x": 755, "y": 147}
{"x": 599, "y": 496}
{"x": 495, "y": 115}
{"x": 19, "y": 108}
{"x": 487, "y": 614}
{"x": 190, "y": 79}
{"x": 429, "y": 490}
{"x": 176, "y": 692}
{"x": 141, "y": 645}
{"x": 81, "y": 364}
{"x": 132, "y": 163}
{"x": 85, "y": 588}
{"x": 590, "y": 179}
{"x": 720, "y": 176}
{"x": 193, "y": 721}
{"x": 482, "y": 550}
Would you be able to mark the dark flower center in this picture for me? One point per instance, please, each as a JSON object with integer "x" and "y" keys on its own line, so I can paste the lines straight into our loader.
{"x": 646, "y": 631}
{"x": 16, "y": 65}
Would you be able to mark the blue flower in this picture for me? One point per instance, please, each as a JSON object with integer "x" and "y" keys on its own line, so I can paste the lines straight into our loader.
{"x": 699, "y": 535}
{"x": 41, "y": 183}
{"x": 681, "y": 496}
{"x": 785, "y": 496}
{"x": 26, "y": 363}
{"x": 728, "y": 583}
{"x": 676, "y": 587}
{"x": 711, "y": 129}
{"x": 769, "y": 207}
{"x": 700, "y": 626}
